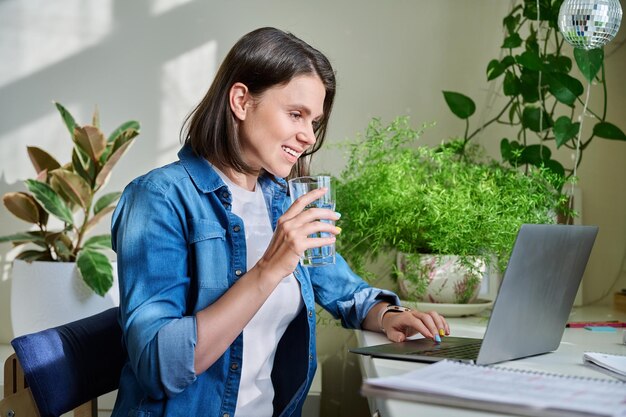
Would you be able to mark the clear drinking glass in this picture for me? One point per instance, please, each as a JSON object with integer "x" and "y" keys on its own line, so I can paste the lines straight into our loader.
{"x": 324, "y": 255}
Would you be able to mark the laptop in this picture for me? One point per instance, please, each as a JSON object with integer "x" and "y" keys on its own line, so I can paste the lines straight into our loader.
{"x": 532, "y": 306}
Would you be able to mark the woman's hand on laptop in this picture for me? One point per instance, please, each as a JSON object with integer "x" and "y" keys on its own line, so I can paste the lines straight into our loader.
{"x": 429, "y": 324}
{"x": 399, "y": 322}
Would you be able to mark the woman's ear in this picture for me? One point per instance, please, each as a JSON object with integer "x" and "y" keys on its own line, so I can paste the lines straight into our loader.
{"x": 239, "y": 99}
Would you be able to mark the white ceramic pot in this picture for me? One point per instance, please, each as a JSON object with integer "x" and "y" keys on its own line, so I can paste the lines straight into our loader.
{"x": 48, "y": 294}
{"x": 439, "y": 278}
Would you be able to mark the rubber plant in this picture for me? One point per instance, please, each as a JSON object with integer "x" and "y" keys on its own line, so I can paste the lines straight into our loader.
{"x": 60, "y": 203}
{"x": 541, "y": 92}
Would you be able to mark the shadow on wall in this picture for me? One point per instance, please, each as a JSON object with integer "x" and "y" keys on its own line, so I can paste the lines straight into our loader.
{"x": 140, "y": 66}
{"x": 10, "y": 225}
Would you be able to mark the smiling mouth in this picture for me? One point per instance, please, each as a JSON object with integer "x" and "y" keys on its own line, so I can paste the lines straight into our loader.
{"x": 291, "y": 152}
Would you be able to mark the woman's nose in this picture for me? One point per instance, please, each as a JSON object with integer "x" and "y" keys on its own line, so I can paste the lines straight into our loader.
{"x": 307, "y": 136}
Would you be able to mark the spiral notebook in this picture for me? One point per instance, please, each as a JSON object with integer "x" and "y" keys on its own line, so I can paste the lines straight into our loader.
{"x": 510, "y": 391}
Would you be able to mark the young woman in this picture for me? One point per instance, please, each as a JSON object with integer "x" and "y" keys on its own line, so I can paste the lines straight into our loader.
{"x": 218, "y": 315}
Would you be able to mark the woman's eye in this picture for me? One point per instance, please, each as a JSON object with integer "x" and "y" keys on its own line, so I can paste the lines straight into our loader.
{"x": 295, "y": 115}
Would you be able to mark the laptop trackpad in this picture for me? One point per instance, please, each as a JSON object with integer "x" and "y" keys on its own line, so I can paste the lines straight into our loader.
{"x": 426, "y": 350}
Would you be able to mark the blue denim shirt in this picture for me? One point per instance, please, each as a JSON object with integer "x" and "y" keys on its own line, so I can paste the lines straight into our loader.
{"x": 179, "y": 248}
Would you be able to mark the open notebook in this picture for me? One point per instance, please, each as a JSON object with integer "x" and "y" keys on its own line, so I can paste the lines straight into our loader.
{"x": 529, "y": 315}
{"x": 504, "y": 390}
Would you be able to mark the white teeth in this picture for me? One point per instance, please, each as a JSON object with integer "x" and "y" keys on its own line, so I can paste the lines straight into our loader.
{"x": 291, "y": 151}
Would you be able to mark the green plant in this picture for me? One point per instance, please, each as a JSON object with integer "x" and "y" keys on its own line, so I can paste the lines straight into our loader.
{"x": 421, "y": 199}
{"x": 541, "y": 92}
{"x": 66, "y": 193}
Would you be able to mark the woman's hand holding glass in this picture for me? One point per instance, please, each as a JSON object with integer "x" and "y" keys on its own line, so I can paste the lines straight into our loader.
{"x": 292, "y": 235}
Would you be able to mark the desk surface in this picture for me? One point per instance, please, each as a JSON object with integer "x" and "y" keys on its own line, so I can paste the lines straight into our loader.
{"x": 567, "y": 359}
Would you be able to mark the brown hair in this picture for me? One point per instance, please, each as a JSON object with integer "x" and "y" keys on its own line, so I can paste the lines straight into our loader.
{"x": 261, "y": 59}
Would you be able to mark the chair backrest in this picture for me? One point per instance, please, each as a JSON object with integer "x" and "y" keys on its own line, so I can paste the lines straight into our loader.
{"x": 69, "y": 365}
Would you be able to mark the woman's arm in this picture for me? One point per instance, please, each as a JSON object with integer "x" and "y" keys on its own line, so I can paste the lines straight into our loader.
{"x": 220, "y": 323}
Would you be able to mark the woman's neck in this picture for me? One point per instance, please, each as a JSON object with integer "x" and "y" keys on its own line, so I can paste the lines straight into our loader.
{"x": 245, "y": 181}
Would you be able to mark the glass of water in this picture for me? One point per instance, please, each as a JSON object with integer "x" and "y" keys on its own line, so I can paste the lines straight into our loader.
{"x": 324, "y": 255}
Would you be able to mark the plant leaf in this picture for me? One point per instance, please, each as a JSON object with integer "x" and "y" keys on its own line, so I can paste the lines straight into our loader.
{"x": 41, "y": 159}
{"x": 505, "y": 150}
{"x": 34, "y": 255}
{"x": 95, "y": 118}
{"x": 608, "y": 130}
{"x": 76, "y": 188}
{"x": 98, "y": 242}
{"x": 21, "y": 238}
{"x": 511, "y": 85}
{"x": 512, "y": 20}
{"x": 529, "y": 80}
{"x": 529, "y": 60}
{"x": 514, "y": 40}
{"x": 565, "y": 88}
{"x": 129, "y": 125}
{"x": 461, "y": 105}
{"x": 126, "y": 136}
{"x": 23, "y": 206}
{"x": 67, "y": 118}
{"x": 564, "y": 130}
{"x": 531, "y": 119}
{"x": 530, "y": 10}
{"x": 555, "y": 167}
{"x": 50, "y": 200}
{"x": 123, "y": 137}
{"x": 558, "y": 64}
{"x": 105, "y": 172}
{"x": 589, "y": 62}
{"x": 536, "y": 154}
{"x": 96, "y": 270}
{"x": 91, "y": 140}
{"x": 531, "y": 44}
{"x": 105, "y": 201}
{"x": 494, "y": 69}
{"x": 82, "y": 165}
{"x": 513, "y": 111}
{"x": 56, "y": 185}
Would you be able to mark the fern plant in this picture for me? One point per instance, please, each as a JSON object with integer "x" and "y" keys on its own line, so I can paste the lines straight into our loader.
{"x": 395, "y": 194}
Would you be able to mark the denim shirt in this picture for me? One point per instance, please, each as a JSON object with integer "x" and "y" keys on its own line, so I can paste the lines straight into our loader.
{"x": 179, "y": 248}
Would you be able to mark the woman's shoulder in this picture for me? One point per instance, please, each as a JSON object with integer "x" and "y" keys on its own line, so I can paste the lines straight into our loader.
{"x": 166, "y": 181}
{"x": 162, "y": 177}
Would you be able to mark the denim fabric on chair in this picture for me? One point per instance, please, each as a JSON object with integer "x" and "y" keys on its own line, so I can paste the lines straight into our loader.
{"x": 69, "y": 365}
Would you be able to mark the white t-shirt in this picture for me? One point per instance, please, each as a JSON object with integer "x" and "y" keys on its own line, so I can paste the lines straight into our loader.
{"x": 262, "y": 334}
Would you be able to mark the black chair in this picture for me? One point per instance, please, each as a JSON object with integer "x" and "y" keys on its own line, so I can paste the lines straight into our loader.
{"x": 64, "y": 368}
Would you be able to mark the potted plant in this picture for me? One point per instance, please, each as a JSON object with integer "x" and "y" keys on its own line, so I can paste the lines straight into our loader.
{"x": 541, "y": 92}
{"x": 61, "y": 206}
{"x": 395, "y": 196}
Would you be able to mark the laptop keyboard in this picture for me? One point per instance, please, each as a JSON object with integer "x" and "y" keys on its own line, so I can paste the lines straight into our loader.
{"x": 465, "y": 351}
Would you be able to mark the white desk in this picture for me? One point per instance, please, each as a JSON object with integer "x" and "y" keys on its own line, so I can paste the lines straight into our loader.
{"x": 566, "y": 360}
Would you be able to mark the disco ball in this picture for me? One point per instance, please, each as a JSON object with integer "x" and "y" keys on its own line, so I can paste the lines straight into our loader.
{"x": 589, "y": 24}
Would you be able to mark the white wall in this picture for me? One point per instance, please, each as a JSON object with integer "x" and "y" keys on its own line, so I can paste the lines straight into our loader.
{"x": 152, "y": 60}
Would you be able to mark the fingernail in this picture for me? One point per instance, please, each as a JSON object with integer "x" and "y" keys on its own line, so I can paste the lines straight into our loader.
{"x": 442, "y": 332}
{"x": 437, "y": 338}
{"x": 338, "y": 228}
{"x": 338, "y": 215}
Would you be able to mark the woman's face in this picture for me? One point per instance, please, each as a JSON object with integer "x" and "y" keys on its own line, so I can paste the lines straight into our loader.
{"x": 278, "y": 126}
